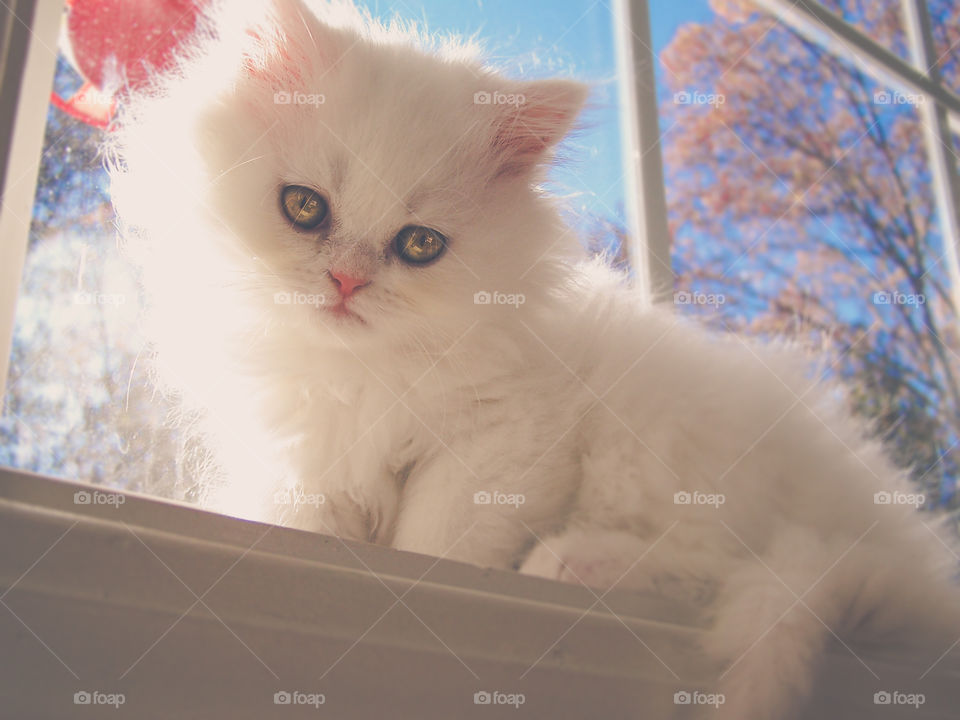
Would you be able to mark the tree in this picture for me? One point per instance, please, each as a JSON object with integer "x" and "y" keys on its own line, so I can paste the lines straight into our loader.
{"x": 799, "y": 191}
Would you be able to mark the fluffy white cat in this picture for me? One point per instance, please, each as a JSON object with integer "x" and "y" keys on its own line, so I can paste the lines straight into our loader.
{"x": 322, "y": 208}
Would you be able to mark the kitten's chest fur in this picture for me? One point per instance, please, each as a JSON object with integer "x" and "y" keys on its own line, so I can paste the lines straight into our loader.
{"x": 361, "y": 425}
{"x": 363, "y": 431}
{"x": 353, "y": 427}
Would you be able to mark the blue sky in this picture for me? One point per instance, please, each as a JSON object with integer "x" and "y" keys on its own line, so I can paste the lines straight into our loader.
{"x": 667, "y": 15}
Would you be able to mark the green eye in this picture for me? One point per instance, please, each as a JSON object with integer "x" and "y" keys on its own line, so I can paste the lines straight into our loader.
{"x": 303, "y": 206}
{"x": 419, "y": 245}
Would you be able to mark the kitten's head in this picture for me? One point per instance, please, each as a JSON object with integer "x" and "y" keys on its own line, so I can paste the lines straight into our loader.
{"x": 336, "y": 177}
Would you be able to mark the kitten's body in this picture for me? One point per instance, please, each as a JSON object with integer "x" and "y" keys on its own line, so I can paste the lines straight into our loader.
{"x": 581, "y": 409}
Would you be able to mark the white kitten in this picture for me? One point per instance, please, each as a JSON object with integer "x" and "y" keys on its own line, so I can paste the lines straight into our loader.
{"x": 315, "y": 206}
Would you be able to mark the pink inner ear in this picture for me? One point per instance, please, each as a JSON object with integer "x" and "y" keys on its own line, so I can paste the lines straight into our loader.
{"x": 290, "y": 45}
{"x": 529, "y": 131}
{"x": 526, "y": 131}
{"x": 271, "y": 58}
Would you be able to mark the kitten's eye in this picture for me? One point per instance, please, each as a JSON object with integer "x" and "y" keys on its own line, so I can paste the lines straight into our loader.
{"x": 303, "y": 206}
{"x": 418, "y": 245}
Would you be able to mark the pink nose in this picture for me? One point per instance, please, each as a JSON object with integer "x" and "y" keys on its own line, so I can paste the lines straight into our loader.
{"x": 346, "y": 284}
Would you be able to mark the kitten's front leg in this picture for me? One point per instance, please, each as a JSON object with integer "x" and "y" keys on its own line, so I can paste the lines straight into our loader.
{"x": 354, "y": 498}
{"x": 445, "y": 515}
{"x": 596, "y": 558}
{"x": 341, "y": 514}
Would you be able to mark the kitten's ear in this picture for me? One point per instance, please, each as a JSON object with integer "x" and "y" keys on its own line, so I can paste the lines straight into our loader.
{"x": 533, "y": 120}
{"x": 285, "y": 43}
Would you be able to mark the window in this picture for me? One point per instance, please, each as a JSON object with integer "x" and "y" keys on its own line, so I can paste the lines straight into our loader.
{"x": 832, "y": 222}
{"x": 861, "y": 177}
{"x": 810, "y": 195}
{"x": 79, "y": 401}
{"x": 258, "y": 612}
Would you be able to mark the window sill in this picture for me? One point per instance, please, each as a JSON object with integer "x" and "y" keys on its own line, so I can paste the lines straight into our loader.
{"x": 101, "y": 597}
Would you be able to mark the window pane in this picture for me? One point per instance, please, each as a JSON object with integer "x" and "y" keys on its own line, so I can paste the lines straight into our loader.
{"x": 800, "y": 202}
{"x": 77, "y": 403}
{"x": 80, "y": 402}
{"x": 946, "y": 40}
{"x": 881, "y": 20}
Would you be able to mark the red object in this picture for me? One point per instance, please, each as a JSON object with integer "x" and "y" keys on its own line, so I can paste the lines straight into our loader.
{"x": 87, "y": 104}
{"x": 116, "y": 46}
{"x": 346, "y": 284}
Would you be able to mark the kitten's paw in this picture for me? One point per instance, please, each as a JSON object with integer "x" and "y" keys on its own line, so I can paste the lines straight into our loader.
{"x": 566, "y": 560}
{"x": 337, "y": 515}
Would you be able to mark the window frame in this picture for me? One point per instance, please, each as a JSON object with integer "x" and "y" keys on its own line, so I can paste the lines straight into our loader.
{"x": 263, "y": 609}
{"x": 29, "y": 30}
{"x": 644, "y": 187}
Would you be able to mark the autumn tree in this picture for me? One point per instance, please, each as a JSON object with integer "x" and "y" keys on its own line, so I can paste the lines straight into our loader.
{"x": 799, "y": 191}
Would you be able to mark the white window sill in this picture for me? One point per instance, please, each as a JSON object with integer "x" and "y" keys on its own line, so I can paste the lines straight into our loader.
{"x": 280, "y": 608}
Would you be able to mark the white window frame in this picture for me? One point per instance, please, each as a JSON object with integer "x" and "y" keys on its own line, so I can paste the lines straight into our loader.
{"x": 262, "y": 609}
{"x": 644, "y": 190}
{"x": 28, "y": 57}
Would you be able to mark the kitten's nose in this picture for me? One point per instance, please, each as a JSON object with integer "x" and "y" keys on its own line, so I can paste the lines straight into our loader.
{"x": 347, "y": 284}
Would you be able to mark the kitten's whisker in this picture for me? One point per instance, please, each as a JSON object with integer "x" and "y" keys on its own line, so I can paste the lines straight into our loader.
{"x": 229, "y": 170}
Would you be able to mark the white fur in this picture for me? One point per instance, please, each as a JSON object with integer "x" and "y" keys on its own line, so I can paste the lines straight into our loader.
{"x": 592, "y": 407}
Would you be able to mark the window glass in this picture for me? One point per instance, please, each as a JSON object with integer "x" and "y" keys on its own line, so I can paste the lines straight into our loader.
{"x": 801, "y": 205}
{"x": 80, "y": 401}
{"x": 946, "y": 40}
